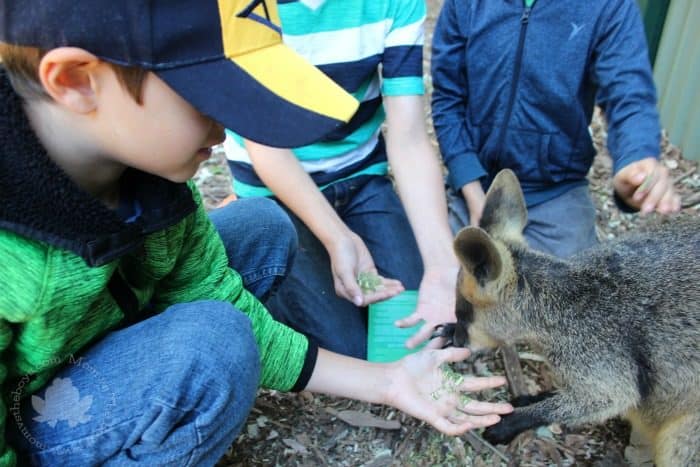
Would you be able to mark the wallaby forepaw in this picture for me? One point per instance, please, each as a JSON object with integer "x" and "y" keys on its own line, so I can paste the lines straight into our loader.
{"x": 524, "y": 400}
{"x": 455, "y": 334}
{"x": 502, "y": 432}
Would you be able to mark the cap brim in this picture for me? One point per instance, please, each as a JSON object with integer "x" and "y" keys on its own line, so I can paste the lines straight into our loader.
{"x": 271, "y": 96}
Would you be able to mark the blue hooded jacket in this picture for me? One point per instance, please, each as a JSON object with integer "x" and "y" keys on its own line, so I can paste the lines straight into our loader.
{"x": 515, "y": 87}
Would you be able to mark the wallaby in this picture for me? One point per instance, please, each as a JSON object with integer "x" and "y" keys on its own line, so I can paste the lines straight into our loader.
{"x": 619, "y": 323}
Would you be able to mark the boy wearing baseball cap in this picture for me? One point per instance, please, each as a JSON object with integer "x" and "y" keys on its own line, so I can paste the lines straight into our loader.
{"x": 125, "y": 335}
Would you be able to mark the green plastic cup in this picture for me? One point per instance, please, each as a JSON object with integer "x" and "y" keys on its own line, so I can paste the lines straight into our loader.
{"x": 386, "y": 342}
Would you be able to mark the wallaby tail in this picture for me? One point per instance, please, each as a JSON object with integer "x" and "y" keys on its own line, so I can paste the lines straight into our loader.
{"x": 677, "y": 444}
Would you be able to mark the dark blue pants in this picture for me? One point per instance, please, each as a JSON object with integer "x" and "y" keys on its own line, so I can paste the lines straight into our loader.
{"x": 306, "y": 299}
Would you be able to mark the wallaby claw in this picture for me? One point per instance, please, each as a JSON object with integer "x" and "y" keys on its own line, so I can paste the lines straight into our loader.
{"x": 501, "y": 433}
{"x": 523, "y": 400}
{"x": 455, "y": 334}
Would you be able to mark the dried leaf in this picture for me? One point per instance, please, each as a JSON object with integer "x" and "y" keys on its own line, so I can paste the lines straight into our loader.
{"x": 360, "y": 419}
{"x": 253, "y": 431}
{"x": 296, "y": 446}
{"x": 544, "y": 432}
{"x": 382, "y": 458}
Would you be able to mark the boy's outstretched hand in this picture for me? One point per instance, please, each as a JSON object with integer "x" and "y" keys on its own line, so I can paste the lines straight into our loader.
{"x": 435, "y": 306}
{"x": 423, "y": 386}
{"x": 419, "y": 384}
{"x": 354, "y": 272}
{"x": 646, "y": 185}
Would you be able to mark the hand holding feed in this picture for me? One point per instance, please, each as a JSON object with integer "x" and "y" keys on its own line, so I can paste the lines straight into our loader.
{"x": 647, "y": 186}
{"x": 352, "y": 267}
{"x": 422, "y": 385}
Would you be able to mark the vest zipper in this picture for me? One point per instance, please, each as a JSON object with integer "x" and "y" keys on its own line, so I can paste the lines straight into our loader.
{"x": 524, "y": 20}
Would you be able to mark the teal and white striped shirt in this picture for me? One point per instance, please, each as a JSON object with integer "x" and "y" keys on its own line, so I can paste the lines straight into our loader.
{"x": 372, "y": 48}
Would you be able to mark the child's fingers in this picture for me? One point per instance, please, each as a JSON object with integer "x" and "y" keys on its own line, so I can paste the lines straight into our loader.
{"x": 475, "y": 407}
{"x": 347, "y": 287}
{"x": 382, "y": 294}
{"x": 436, "y": 343}
{"x": 454, "y": 354}
{"x": 408, "y": 321}
{"x": 475, "y": 421}
{"x": 643, "y": 182}
{"x": 669, "y": 203}
{"x": 656, "y": 194}
{"x": 455, "y": 424}
{"x": 421, "y": 336}
{"x": 389, "y": 283}
{"x": 472, "y": 383}
{"x": 677, "y": 205}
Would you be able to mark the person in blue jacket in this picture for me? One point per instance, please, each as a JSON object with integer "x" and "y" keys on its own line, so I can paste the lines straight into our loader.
{"x": 515, "y": 84}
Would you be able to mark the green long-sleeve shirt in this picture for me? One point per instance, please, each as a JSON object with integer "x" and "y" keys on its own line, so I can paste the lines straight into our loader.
{"x": 52, "y": 304}
{"x": 60, "y": 248}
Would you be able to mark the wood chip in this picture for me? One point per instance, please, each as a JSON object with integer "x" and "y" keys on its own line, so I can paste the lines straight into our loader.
{"x": 364, "y": 419}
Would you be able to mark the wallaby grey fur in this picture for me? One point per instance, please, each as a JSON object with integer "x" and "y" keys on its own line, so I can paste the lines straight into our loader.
{"x": 619, "y": 324}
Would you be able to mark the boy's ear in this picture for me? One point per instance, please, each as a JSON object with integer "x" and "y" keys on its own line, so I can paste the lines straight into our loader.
{"x": 478, "y": 254}
{"x": 68, "y": 76}
{"x": 505, "y": 214}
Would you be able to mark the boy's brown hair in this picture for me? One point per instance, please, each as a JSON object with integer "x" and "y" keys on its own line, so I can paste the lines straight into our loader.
{"x": 22, "y": 64}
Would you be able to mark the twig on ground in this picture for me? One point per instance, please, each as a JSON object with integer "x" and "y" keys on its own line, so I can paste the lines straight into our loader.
{"x": 471, "y": 434}
{"x": 514, "y": 373}
{"x": 682, "y": 176}
{"x": 691, "y": 201}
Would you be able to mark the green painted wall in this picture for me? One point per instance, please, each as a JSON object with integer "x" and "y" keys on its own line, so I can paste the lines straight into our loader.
{"x": 677, "y": 76}
{"x": 654, "y": 15}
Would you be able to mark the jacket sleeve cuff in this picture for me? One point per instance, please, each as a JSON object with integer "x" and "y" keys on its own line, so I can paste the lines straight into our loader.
{"x": 634, "y": 156}
{"x": 463, "y": 170}
{"x": 308, "y": 368}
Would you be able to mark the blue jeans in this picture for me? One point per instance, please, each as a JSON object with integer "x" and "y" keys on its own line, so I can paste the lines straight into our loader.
{"x": 306, "y": 299}
{"x": 174, "y": 389}
{"x": 562, "y": 226}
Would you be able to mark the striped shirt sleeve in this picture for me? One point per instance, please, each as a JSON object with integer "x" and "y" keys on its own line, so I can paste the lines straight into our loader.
{"x": 402, "y": 63}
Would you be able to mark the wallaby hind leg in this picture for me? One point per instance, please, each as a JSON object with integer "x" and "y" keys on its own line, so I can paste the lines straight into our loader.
{"x": 677, "y": 443}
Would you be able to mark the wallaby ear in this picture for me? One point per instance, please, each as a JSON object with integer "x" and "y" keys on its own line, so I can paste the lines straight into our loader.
{"x": 478, "y": 254}
{"x": 504, "y": 214}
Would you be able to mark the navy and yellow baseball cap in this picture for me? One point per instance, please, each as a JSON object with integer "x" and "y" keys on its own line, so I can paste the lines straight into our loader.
{"x": 225, "y": 57}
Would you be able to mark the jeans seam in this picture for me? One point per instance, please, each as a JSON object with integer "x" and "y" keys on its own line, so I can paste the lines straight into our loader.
{"x": 65, "y": 446}
{"x": 263, "y": 273}
{"x": 197, "y": 414}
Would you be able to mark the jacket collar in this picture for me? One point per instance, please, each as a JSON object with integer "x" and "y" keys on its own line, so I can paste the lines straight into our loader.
{"x": 40, "y": 202}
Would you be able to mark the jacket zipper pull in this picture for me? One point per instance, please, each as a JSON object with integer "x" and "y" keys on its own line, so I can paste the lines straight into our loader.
{"x": 526, "y": 15}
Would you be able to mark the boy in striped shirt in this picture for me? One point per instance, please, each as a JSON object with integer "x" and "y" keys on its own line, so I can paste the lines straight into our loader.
{"x": 337, "y": 191}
